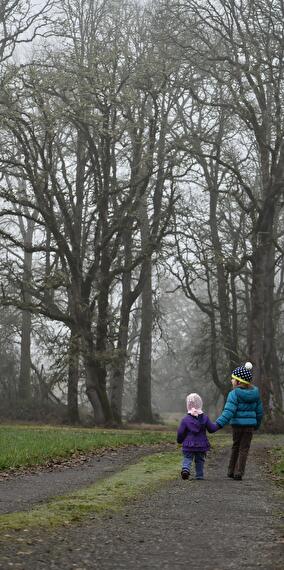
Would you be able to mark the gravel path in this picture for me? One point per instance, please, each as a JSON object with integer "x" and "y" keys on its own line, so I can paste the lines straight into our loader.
{"x": 215, "y": 524}
{"x": 20, "y": 492}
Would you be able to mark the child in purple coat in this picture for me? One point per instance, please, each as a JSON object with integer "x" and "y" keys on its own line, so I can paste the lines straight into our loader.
{"x": 192, "y": 434}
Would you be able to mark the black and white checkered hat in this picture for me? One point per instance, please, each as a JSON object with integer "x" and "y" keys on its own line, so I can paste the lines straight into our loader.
{"x": 243, "y": 373}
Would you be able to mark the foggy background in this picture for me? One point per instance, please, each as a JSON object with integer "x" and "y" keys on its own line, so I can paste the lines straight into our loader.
{"x": 141, "y": 192}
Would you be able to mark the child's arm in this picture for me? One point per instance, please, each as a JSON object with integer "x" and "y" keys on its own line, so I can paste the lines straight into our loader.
{"x": 182, "y": 430}
{"x": 211, "y": 427}
{"x": 259, "y": 413}
{"x": 229, "y": 410}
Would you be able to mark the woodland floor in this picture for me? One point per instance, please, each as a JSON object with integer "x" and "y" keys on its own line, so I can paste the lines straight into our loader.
{"x": 215, "y": 524}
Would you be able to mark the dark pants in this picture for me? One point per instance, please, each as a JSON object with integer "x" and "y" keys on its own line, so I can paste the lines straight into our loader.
{"x": 198, "y": 457}
{"x": 242, "y": 436}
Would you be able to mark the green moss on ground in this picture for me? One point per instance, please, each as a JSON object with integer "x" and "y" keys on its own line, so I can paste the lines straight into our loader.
{"x": 108, "y": 495}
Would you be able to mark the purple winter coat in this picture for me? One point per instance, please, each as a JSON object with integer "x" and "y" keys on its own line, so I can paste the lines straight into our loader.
{"x": 192, "y": 432}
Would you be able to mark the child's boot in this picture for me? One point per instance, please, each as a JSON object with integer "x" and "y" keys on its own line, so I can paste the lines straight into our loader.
{"x": 184, "y": 474}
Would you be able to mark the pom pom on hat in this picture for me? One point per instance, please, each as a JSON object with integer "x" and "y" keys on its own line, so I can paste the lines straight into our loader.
{"x": 243, "y": 373}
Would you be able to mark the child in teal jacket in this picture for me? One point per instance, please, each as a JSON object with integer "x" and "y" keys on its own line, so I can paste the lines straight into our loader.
{"x": 243, "y": 411}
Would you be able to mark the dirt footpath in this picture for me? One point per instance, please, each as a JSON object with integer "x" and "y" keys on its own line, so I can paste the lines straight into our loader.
{"x": 21, "y": 491}
{"x": 215, "y": 524}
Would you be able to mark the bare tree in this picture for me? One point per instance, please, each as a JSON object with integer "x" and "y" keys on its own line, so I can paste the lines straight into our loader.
{"x": 85, "y": 175}
{"x": 20, "y": 22}
{"x": 240, "y": 49}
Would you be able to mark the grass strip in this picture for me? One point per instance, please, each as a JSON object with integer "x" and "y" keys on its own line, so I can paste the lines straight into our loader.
{"x": 277, "y": 464}
{"x": 108, "y": 495}
{"x": 22, "y": 446}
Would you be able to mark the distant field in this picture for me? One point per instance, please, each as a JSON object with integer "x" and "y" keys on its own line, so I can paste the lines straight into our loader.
{"x": 23, "y": 446}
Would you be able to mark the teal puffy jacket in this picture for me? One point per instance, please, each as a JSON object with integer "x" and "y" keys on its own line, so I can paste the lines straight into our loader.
{"x": 243, "y": 408}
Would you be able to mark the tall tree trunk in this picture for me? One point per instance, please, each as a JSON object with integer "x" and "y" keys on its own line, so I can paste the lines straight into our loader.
{"x": 95, "y": 388}
{"x": 271, "y": 370}
{"x": 25, "y": 361}
{"x": 222, "y": 286}
{"x": 223, "y": 387}
{"x": 259, "y": 300}
{"x": 101, "y": 348}
{"x": 73, "y": 377}
{"x": 93, "y": 392}
{"x": 277, "y": 387}
{"x": 144, "y": 407}
{"x": 119, "y": 368}
{"x": 83, "y": 316}
{"x": 234, "y": 312}
{"x": 128, "y": 299}
{"x": 94, "y": 365}
{"x": 96, "y": 360}
{"x": 263, "y": 274}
